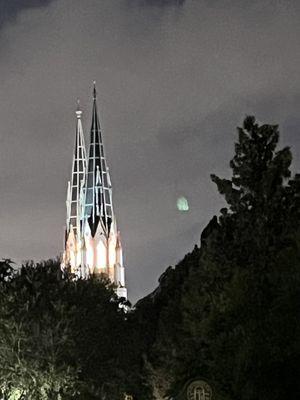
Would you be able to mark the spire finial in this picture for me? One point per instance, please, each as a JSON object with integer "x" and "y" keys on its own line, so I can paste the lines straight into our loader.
{"x": 94, "y": 91}
{"x": 78, "y": 110}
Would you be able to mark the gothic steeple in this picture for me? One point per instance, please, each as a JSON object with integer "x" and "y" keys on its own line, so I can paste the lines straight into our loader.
{"x": 75, "y": 186}
{"x": 93, "y": 243}
{"x": 98, "y": 201}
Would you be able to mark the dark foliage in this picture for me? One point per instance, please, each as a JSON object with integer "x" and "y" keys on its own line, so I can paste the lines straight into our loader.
{"x": 229, "y": 311}
{"x": 62, "y": 337}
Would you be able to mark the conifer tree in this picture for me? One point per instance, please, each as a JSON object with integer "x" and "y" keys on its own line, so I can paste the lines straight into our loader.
{"x": 232, "y": 316}
{"x": 242, "y": 302}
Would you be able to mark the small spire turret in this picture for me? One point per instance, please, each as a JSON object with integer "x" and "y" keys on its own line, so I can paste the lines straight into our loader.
{"x": 78, "y": 110}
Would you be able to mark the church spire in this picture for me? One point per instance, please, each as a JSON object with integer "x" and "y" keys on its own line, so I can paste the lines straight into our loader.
{"x": 92, "y": 243}
{"x": 98, "y": 203}
{"x": 75, "y": 195}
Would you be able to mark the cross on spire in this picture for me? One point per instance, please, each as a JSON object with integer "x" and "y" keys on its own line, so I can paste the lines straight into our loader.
{"x": 94, "y": 91}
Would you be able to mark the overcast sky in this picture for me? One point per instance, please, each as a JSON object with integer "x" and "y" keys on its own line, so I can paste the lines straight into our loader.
{"x": 174, "y": 79}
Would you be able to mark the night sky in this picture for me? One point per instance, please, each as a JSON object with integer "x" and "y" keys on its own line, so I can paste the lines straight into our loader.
{"x": 174, "y": 79}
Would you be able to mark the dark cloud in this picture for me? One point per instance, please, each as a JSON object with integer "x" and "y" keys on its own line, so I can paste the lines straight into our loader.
{"x": 9, "y": 9}
{"x": 163, "y": 3}
{"x": 157, "y": 3}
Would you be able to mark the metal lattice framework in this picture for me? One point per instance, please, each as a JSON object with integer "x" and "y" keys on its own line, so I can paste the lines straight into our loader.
{"x": 75, "y": 186}
{"x": 98, "y": 192}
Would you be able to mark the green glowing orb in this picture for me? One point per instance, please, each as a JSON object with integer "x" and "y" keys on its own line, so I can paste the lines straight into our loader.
{"x": 182, "y": 204}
